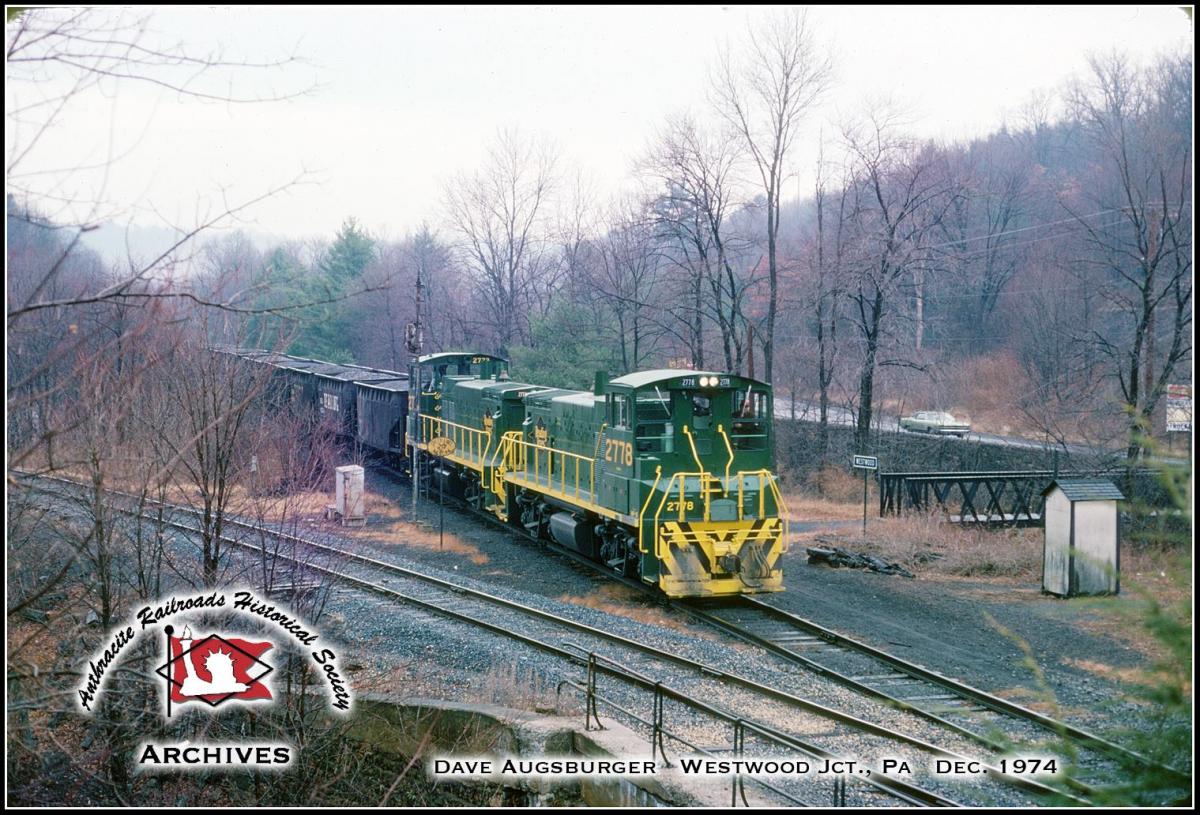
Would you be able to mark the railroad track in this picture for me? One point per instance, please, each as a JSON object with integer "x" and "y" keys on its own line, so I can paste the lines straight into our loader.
{"x": 984, "y": 718}
{"x": 460, "y": 603}
{"x": 478, "y": 608}
{"x": 969, "y": 711}
{"x": 947, "y": 702}
{"x": 773, "y": 629}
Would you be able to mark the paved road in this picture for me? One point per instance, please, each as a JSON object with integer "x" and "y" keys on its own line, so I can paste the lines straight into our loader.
{"x": 809, "y": 411}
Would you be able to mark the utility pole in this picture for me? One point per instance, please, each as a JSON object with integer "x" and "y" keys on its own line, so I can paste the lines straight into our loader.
{"x": 414, "y": 388}
{"x": 1148, "y": 372}
{"x": 750, "y": 348}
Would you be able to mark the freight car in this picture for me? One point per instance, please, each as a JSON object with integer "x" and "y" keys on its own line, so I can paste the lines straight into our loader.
{"x": 664, "y": 476}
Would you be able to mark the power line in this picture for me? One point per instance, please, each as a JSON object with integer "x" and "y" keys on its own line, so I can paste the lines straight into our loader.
{"x": 1071, "y": 220}
{"x": 1025, "y": 228}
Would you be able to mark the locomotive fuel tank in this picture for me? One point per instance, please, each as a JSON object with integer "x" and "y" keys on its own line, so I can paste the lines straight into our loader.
{"x": 574, "y": 533}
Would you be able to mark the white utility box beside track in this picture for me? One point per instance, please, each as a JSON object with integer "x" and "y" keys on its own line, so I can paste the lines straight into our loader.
{"x": 350, "y": 500}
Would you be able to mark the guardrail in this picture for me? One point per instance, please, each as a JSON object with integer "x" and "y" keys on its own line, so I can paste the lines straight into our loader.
{"x": 1012, "y": 497}
{"x": 598, "y": 665}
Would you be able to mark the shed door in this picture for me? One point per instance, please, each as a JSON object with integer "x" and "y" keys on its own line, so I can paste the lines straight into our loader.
{"x": 1056, "y": 562}
{"x": 1095, "y": 564}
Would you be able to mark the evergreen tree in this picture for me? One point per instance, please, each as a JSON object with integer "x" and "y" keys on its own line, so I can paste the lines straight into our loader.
{"x": 321, "y": 302}
{"x": 351, "y": 253}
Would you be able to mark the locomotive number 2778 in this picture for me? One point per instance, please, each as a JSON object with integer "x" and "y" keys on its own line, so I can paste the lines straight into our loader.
{"x": 618, "y": 452}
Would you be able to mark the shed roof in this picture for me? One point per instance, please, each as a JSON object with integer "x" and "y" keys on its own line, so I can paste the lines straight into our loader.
{"x": 1086, "y": 489}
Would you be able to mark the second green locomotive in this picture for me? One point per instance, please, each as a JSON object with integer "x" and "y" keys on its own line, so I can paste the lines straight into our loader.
{"x": 662, "y": 475}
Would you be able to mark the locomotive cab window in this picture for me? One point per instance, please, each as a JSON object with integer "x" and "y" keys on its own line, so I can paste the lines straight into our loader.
{"x": 750, "y": 414}
{"x": 701, "y": 411}
{"x": 654, "y": 422}
{"x": 620, "y": 411}
{"x": 750, "y": 404}
{"x": 654, "y": 406}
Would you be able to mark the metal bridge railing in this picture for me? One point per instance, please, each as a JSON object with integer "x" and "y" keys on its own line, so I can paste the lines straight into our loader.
{"x": 598, "y": 665}
{"x": 1012, "y": 497}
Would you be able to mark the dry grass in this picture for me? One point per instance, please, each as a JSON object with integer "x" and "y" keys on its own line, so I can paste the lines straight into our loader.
{"x": 613, "y": 598}
{"x": 924, "y": 544}
{"x": 391, "y": 530}
{"x": 807, "y": 508}
{"x": 837, "y": 484}
{"x": 1153, "y": 571}
{"x": 830, "y": 494}
{"x": 1145, "y": 675}
{"x": 1110, "y": 672}
{"x": 1040, "y": 701}
{"x": 386, "y": 521}
{"x": 510, "y": 685}
{"x": 1123, "y": 618}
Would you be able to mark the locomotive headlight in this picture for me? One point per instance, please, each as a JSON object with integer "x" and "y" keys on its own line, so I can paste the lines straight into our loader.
{"x": 707, "y": 381}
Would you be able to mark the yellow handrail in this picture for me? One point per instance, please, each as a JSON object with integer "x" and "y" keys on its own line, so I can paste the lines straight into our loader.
{"x": 517, "y": 459}
{"x": 765, "y": 481}
{"x": 687, "y": 432}
{"x": 729, "y": 463}
{"x": 474, "y": 441}
{"x": 658, "y": 512}
{"x": 642, "y": 514}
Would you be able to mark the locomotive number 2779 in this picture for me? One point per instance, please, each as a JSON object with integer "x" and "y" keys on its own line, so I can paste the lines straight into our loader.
{"x": 618, "y": 452}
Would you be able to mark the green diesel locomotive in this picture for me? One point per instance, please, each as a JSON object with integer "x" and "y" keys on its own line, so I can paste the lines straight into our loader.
{"x": 664, "y": 475}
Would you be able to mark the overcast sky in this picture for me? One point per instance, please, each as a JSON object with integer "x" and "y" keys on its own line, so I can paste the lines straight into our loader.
{"x": 401, "y": 99}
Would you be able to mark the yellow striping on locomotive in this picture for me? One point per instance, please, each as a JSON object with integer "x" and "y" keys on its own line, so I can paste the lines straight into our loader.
{"x": 720, "y": 557}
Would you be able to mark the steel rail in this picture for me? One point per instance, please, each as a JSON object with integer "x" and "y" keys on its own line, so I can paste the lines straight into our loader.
{"x": 690, "y": 609}
{"x": 979, "y": 697}
{"x": 897, "y": 787}
{"x": 1078, "y": 735}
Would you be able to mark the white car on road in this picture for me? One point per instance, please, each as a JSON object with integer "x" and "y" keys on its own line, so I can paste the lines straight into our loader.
{"x": 935, "y": 421}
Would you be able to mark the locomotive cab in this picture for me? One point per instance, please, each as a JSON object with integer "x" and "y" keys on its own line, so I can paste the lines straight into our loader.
{"x": 436, "y": 372}
{"x": 688, "y": 454}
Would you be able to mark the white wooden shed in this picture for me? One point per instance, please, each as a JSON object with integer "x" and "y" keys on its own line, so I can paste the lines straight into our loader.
{"x": 1081, "y": 553}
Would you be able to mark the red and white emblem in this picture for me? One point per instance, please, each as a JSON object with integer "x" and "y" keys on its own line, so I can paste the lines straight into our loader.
{"x": 215, "y": 669}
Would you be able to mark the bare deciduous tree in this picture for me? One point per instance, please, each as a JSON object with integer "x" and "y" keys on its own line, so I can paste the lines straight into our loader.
{"x": 500, "y": 213}
{"x": 695, "y": 169}
{"x": 766, "y": 97}
{"x": 1141, "y": 265}
{"x": 627, "y": 277}
{"x": 895, "y": 190}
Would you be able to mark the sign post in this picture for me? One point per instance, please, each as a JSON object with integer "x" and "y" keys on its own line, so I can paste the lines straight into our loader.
{"x": 441, "y": 446}
{"x": 412, "y": 340}
{"x": 866, "y": 464}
